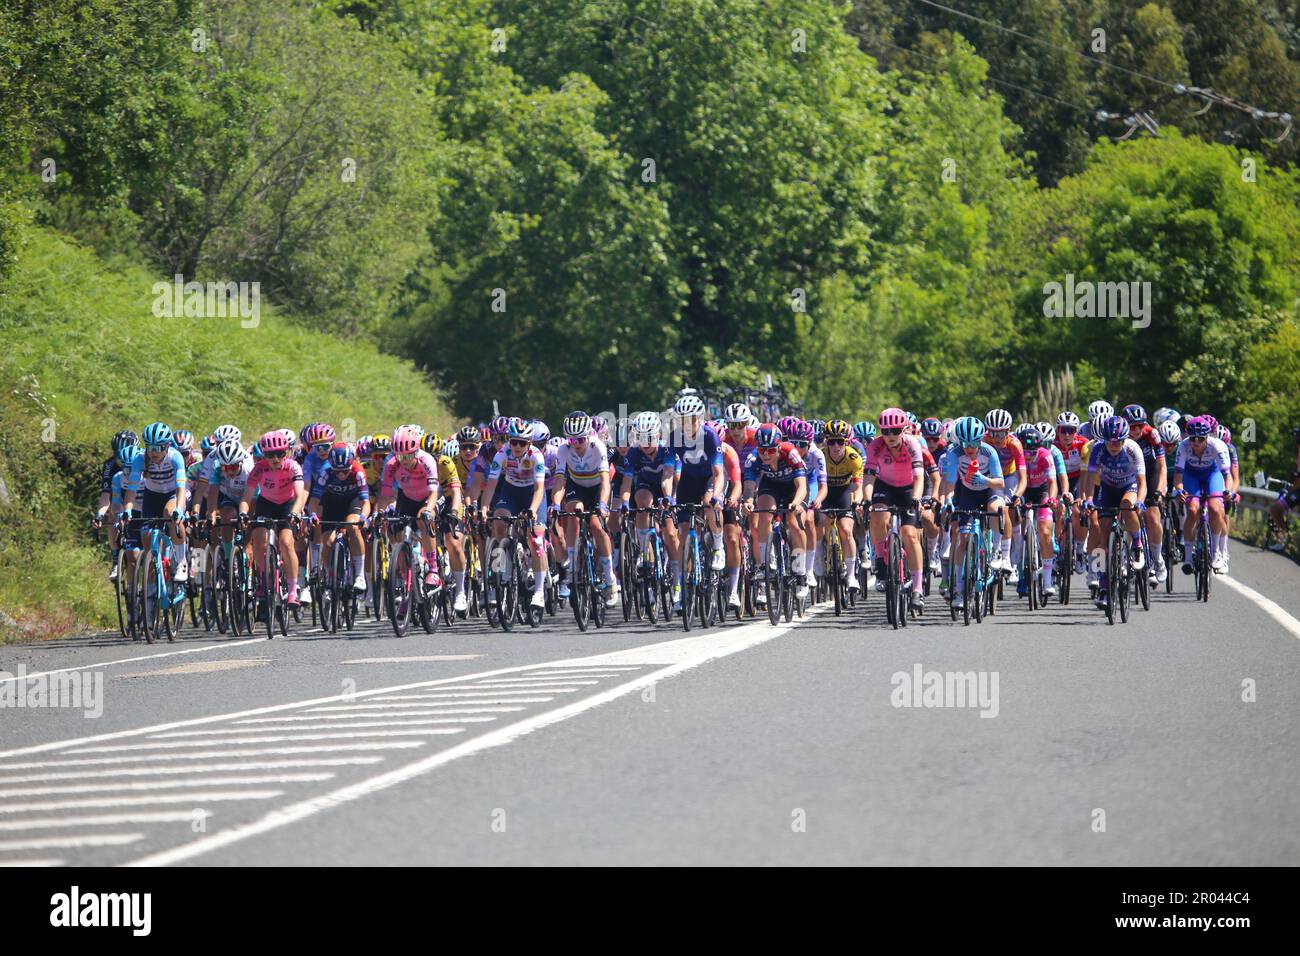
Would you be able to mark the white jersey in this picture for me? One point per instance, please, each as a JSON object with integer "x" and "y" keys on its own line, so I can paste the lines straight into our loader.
{"x": 1213, "y": 455}
{"x": 587, "y": 468}
{"x": 233, "y": 488}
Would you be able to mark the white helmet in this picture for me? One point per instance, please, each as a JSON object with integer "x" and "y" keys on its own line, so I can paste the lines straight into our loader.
{"x": 646, "y": 427}
{"x": 998, "y": 419}
{"x": 230, "y": 452}
{"x": 1163, "y": 415}
{"x": 1099, "y": 410}
{"x": 226, "y": 432}
{"x": 689, "y": 405}
{"x": 753, "y": 421}
{"x": 1067, "y": 419}
{"x": 451, "y": 447}
{"x": 736, "y": 413}
{"x": 1169, "y": 433}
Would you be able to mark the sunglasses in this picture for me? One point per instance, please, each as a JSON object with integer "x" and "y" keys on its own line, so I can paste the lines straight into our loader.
{"x": 232, "y": 469}
{"x": 800, "y": 444}
{"x": 157, "y": 447}
{"x": 1066, "y": 429}
{"x": 999, "y": 432}
{"x": 767, "y": 451}
{"x": 891, "y": 431}
{"x": 519, "y": 443}
{"x": 1200, "y": 438}
{"x": 321, "y": 444}
{"x": 275, "y": 454}
{"x": 465, "y": 446}
{"x": 835, "y": 441}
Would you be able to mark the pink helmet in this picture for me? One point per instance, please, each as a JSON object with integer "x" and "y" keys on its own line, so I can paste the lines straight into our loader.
{"x": 803, "y": 431}
{"x": 272, "y": 442}
{"x": 320, "y": 432}
{"x": 893, "y": 418}
{"x": 405, "y": 441}
{"x": 787, "y": 425}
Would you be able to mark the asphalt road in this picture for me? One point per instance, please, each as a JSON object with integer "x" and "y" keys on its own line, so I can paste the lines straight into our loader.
{"x": 1170, "y": 740}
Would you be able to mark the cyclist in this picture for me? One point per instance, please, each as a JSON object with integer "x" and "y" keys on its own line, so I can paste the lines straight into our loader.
{"x": 226, "y": 487}
{"x": 124, "y": 450}
{"x": 972, "y": 471}
{"x": 340, "y": 493}
{"x": 1153, "y": 458}
{"x": 410, "y": 483}
{"x": 1201, "y": 471}
{"x": 275, "y": 484}
{"x": 1040, "y": 491}
{"x": 649, "y": 471}
{"x": 1011, "y": 455}
{"x": 844, "y": 472}
{"x": 159, "y": 475}
{"x": 583, "y": 484}
{"x": 895, "y": 476}
{"x": 700, "y": 478}
{"x": 1287, "y": 499}
{"x": 776, "y": 477}
{"x": 1119, "y": 475}
{"x": 801, "y": 436}
{"x": 516, "y": 483}
{"x": 936, "y": 538}
{"x": 1231, "y": 494}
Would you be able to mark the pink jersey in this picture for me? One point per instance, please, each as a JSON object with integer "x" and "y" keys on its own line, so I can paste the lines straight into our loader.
{"x": 276, "y": 483}
{"x": 417, "y": 480}
{"x": 1039, "y": 466}
{"x": 898, "y": 468}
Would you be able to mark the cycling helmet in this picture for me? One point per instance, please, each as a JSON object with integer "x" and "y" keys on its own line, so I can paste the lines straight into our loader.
{"x": 838, "y": 428}
{"x": 998, "y": 420}
{"x": 431, "y": 442}
{"x": 273, "y": 442}
{"x": 1113, "y": 428}
{"x": 1067, "y": 419}
{"x": 803, "y": 431}
{"x": 1221, "y": 432}
{"x": 968, "y": 431}
{"x": 689, "y": 405}
{"x": 341, "y": 455}
{"x": 319, "y": 433}
{"x": 1169, "y": 433}
{"x": 124, "y": 437}
{"x": 226, "y": 432}
{"x": 541, "y": 432}
{"x": 1100, "y": 409}
{"x": 289, "y": 437}
{"x": 520, "y": 429}
{"x": 600, "y": 426}
{"x": 406, "y": 441}
{"x": 645, "y": 427}
{"x": 469, "y": 435}
{"x": 931, "y": 428}
{"x": 500, "y": 425}
{"x": 381, "y": 445}
{"x": 737, "y": 413}
{"x": 207, "y": 445}
{"x": 1030, "y": 436}
{"x": 622, "y": 428}
{"x": 364, "y": 445}
{"x": 753, "y": 421}
{"x": 893, "y": 418}
{"x": 819, "y": 428}
{"x": 1047, "y": 431}
{"x": 1135, "y": 414}
{"x": 1214, "y": 422}
{"x": 767, "y": 436}
{"x": 256, "y": 451}
{"x": 128, "y": 453}
{"x": 303, "y": 432}
{"x": 786, "y": 425}
{"x": 451, "y": 448}
{"x": 577, "y": 424}
{"x": 157, "y": 435}
{"x": 865, "y": 431}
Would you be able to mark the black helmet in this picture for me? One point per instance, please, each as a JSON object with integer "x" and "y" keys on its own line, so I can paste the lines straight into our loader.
{"x": 126, "y": 437}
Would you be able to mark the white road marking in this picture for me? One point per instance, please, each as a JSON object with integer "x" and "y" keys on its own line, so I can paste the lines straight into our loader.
{"x": 412, "y": 713}
{"x": 353, "y": 726}
{"x": 200, "y": 768}
{"x": 275, "y": 739}
{"x": 427, "y": 702}
{"x": 409, "y": 660}
{"x": 145, "y": 786}
{"x": 104, "y": 820}
{"x": 537, "y": 683}
{"x": 206, "y": 755}
{"x": 1271, "y": 608}
{"x": 132, "y": 660}
{"x": 198, "y": 797}
{"x": 398, "y": 708}
{"x": 31, "y": 862}
{"x": 690, "y": 653}
{"x": 50, "y": 843}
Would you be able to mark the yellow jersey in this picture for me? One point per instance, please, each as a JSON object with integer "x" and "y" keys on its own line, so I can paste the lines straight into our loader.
{"x": 847, "y": 470}
{"x": 448, "y": 476}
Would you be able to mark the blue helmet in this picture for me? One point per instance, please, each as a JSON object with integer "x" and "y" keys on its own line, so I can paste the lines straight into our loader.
{"x": 519, "y": 428}
{"x": 1198, "y": 427}
{"x": 968, "y": 431}
{"x": 1113, "y": 428}
{"x": 341, "y": 455}
{"x": 864, "y": 431}
{"x": 157, "y": 435}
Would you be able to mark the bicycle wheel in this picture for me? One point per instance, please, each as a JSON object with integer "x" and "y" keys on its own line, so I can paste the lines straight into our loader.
{"x": 973, "y": 582}
{"x": 338, "y": 583}
{"x": 508, "y": 586}
{"x": 773, "y": 584}
{"x": 119, "y": 593}
{"x": 746, "y": 579}
{"x": 271, "y": 585}
{"x": 689, "y": 565}
{"x": 665, "y": 585}
{"x": 173, "y": 611}
{"x": 595, "y": 594}
{"x": 1065, "y": 560}
{"x": 579, "y": 586}
{"x": 1207, "y": 552}
{"x": 649, "y": 576}
{"x": 400, "y": 588}
{"x": 627, "y": 592}
{"x": 1140, "y": 581}
{"x": 152, "y": 618}
{"x": 1112, "y": 580}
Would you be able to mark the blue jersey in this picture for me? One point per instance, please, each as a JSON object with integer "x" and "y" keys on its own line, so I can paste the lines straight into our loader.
{"x": 164, "y": 476}
{"x": 698, "y": 456}
{"x": 815, "y": 461}
{"x": 1059, "y": 460}
{"x": 651, "y": 470}
{"x": 956, "y": 464}
{"x": 1118, "y": 469}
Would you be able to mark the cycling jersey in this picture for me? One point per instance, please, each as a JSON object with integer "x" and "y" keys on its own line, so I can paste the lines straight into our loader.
{"x": 957, "y": 465}
{"x": 1040, "y": 466}
{"x": 731, "y": 466}
{"x": 312, "y": 465}
{"x": 550, "y": 458}
{"x": 348, "y": 483}
{"x": 898, "y": 468}
{"x": 847, "y": 471}
{"x": 789, "y": 465}
{"x": 374, "y": 468}
{"x": 698, "y": 454}
{"x": 1059, "y": 461}
{"x": 744, "y": 450}
{"x": 1117, "y": 469}
{"x": 1072, "y": 452}
{"x": 816, "y": 464}
{"x": 1214, "y": 454}
{"x": 277, "y": 484}
{"x": 165, "y": 476}
{"x": 650, "y": 470}
{"x": 106, "y": 473}
{"x": 463, "y": 470}
{"x": 232, "y": 488}
{"x": 522, "y": 472}
{"x": 448, "y": 474}
{"x": 1011, "y": 455}
{"x": 417, "y": 481}
{"x": 587, "y": 469}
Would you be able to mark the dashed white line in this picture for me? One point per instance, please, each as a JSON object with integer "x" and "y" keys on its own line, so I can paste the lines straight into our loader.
{"x": 51, "y": 843}
{"x": 424, "y": 710}
{"x": 104, "y": 820}
{"x": 211, "y": 754}
{"x": 145, "y": 786}
{"x": 274, "y": 739}
{"x": 133, "y": 660}
{"x": 198, "y": 797}
{"x": 196, "y": 768}
{"x": 295, "y": 728}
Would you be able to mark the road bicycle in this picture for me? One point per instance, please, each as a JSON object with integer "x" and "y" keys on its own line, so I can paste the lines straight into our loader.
{"x": 405, "y": 594}
{"x": 157, "y": 595}
{"x": 1032, "y": 585}
{"x": 979, "y": 579}
{"x": 336, "y": 595}
{"x": 895, "y": 569}
{"x": 1171, "y": 516}
{"x": 508, "y": 575}
{"x": 779, "y": 583}
{"x": 1064, "y": 559}
{"x": 701, "y": 585}
{"x": 651, "y": 573}
{"x": 586, "y": 590}
{"x": 274, "y": 598}
{"x": 1120, "y": 576}
{"x": 841, "y": 594}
